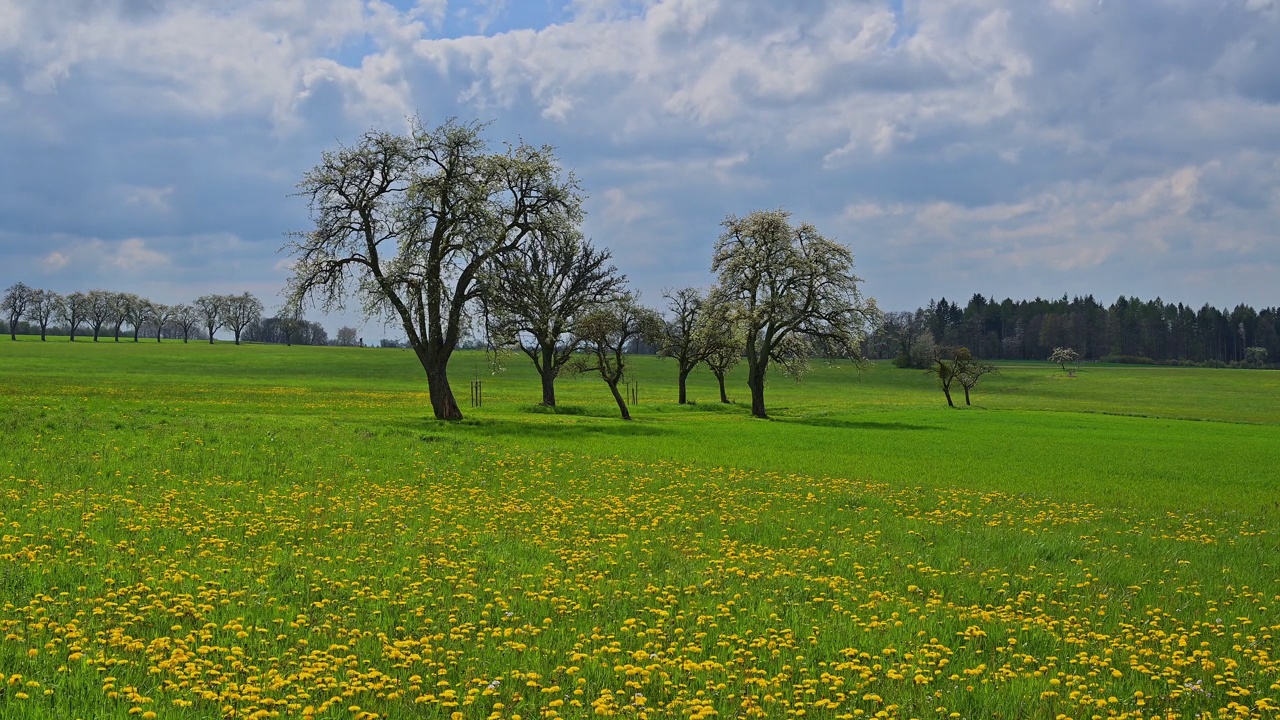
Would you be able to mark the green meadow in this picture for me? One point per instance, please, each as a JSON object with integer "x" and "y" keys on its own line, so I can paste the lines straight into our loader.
{"x": 199, "y": 530}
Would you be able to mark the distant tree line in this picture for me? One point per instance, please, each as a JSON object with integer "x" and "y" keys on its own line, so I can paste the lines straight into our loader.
{"x": 1128, "y": 330}
{"x": 286, "y": 330}
{"x": 104, "y": 314}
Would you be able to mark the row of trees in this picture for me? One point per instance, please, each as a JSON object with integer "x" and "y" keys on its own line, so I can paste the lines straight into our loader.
{"x": 1128, "y": 328}
{"x": 104, "y": 313}
{"x": 435, "y": 230}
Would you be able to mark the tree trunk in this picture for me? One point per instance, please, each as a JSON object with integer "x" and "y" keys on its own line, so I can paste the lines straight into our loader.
{"x": 724, "y": 397}
{"x": 755, "y": 381}
{"x": 947, "y": 391}
{"x": 157, "y": 334}
{"x": 136, "y": 329}
{"x": 966, "y": 396}
{"x": 684, "y": 377}
{"x": 443, "y": 403}
{"x": 548, "y": 387}
{"x": 622, "y": 405}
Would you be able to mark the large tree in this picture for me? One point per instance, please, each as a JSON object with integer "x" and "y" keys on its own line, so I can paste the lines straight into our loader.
{"x": 606, "y": 333}
{"x": 45, "y": 306}
{"x": 794, "y": 287}
{"x": 14, "y": 304}
{"x": 240, "y": 310}
{"x": 536, "y": 293}
{"x": 409, "y": 222}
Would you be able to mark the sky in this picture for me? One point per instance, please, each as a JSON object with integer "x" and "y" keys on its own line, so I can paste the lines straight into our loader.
{"x": 1001, "y": 147}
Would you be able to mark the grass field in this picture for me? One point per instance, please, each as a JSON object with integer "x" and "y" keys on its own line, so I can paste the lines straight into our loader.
{"x": 217, "y": 531}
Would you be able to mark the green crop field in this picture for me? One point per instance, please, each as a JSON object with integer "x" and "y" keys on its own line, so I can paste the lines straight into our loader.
{"x": 196, "y": 531}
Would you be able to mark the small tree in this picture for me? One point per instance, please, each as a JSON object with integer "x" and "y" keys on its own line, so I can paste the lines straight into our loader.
{"x": 73, "y": 312}
{"x": 686, "y": 335}
{"x": 290, "y": 322}
{"x": 239, "y": 311}
{"x": 969, "y": 370}
{"x": 1066, "y": 358}
{"x": 162, "y": 315}
{"x": 119, "y": 306}
{"x": 210, "y": 309}
{"x": 606, "y": 333}
{"x": 99, "y": 310}
{"x": 536, "y": 293}
{"x": 14, "y": 304}
{"x": 186, "y": 318}
{"x": 944, "y": 372}
{"x": 724, "y": 335}
{"x": 346, "y": 337}
{"x": 45, "y": 306}
{"x": 137, "y": 312}
{"x": 1255, "y": 357}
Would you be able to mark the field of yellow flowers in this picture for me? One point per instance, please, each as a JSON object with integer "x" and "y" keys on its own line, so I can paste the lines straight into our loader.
{"x": 236, "y": 548}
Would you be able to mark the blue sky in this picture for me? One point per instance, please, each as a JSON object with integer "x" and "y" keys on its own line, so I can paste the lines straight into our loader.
{"x": 1009, "y": 148}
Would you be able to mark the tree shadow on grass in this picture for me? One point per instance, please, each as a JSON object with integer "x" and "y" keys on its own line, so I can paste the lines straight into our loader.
{"x": 860, "y": 424}
{"x": 558, "y": 410}
{"x": 481, "y": 428}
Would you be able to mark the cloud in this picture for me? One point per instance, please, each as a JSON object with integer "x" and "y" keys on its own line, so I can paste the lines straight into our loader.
{"x": 55, "y": 261}
{"x": 147, "y": 199}
{"x": 134, "y": 256}
{"x": 957, "y": 145}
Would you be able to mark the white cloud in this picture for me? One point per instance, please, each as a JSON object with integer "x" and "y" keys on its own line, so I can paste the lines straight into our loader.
{"x": 54, "y": 261}
{"x": 150, "y": 199}
{"x": 133, "y": 255}
{"x": 1065, "y": 139}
